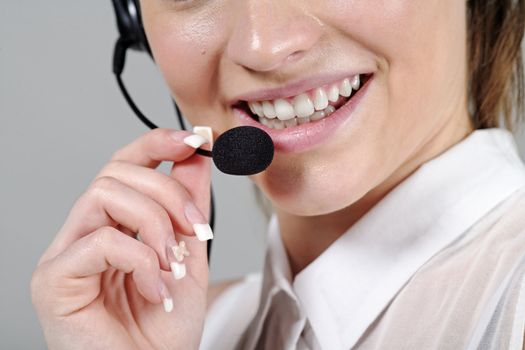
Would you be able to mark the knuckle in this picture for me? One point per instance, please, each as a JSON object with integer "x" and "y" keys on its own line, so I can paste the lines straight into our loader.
{"x": 36, "y": 283}
{"x": 43, "y": 276}
{"x": 148, "y": 258}
{"x": 159, "y": 217}
{"x": 102, "y": 185}
{"x": 104, "y": 237}
{"x": 175, "y": 191}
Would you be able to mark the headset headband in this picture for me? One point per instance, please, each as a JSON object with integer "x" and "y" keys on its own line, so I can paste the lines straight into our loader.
{"x": 129, "y": 23}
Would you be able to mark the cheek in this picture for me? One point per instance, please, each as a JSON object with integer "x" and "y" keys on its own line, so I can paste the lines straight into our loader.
{"x": 186, "y": 51}
{"x": 420, "y": 41}
{"x": 422, "y": 45}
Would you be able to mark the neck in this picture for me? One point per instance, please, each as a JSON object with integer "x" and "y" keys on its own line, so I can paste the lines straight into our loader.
{"x": 301, "y": 234}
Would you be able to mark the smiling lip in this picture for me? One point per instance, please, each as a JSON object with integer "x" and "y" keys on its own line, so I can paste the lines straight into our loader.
{"x": 293, "y": 89}
{"x": 305, "y": 136}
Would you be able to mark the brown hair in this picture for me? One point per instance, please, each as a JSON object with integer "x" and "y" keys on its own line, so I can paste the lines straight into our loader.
{"x": 496, "y": 81}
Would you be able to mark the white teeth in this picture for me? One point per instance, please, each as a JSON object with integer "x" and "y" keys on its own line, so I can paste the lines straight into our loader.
{"x": 345, "y": 89}
{"x": 322, "y": 114}
{"x": 329, "y": 110}
{"x": 333, "y": 93}
{"x": 268, "y": 110}
{"x": 320, "y": 99}
{"x": 284, "y": 109}
{"x": 317, "y": 116}
{"x": 303, "y": 105}
{"x": 301, "y": 121}
{"x": 264, "y": 121}
{"x": 278, "y": 124}
{"x": 283, "y": 113}
{"x": 291, "y": 122}
{"x": 356, "y": 82}
{"x": 256, "y": 108}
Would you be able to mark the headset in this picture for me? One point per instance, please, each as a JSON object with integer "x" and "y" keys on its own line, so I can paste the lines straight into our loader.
{"x": 132, "y": 36}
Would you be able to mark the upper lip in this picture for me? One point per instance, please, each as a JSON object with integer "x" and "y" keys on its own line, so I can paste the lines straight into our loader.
{"x": 293, "y": 89}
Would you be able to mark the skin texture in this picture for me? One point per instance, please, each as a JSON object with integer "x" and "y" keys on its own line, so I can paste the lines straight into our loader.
{"x": 211, "y": 51}
{"x": 97, "y": 287}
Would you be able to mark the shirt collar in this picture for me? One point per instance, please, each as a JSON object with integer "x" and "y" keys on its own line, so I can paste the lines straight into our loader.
{"x": 347, "y": 287}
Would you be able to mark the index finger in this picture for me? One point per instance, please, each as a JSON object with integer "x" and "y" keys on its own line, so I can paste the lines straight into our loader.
{"x": 156, "y": 146}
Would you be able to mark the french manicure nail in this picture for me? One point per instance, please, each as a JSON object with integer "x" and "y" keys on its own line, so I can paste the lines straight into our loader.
{"x": 167, "y": 301}
{"x": 195, "y": 140}
{"x": 168, "y": 304}
{"x": 204, "y": 131}
{"x": 176, "y": 253}
{"x": 200, "y": 226}
{"x": 203, "y": 231}
{"x": 178, "y": 270}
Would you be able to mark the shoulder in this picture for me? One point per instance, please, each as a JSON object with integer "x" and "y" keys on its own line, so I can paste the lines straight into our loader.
{"x": 503, "y": 227}
{"x": 508, "y": 318}
{"x": 473, "y": 291}
{"x": 499, "y": 255}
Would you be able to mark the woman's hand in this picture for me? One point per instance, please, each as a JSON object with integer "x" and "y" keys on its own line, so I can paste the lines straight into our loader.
{"x": 97, "y": 286}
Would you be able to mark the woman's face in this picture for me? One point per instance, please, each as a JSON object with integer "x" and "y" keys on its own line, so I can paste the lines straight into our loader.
{"x": 217, "y": 55}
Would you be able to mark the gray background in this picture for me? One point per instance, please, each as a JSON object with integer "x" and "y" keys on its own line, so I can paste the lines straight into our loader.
{"x": 62, "y": 118}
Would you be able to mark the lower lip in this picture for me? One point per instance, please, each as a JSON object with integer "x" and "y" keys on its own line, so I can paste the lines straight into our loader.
{"x": 306, "y": 136}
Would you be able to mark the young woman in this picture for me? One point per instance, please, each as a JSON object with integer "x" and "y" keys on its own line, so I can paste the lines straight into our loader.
{"x": 397, "y": 192}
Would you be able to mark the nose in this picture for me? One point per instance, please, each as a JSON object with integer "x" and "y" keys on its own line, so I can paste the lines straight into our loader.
{"x": 270, "y": 34}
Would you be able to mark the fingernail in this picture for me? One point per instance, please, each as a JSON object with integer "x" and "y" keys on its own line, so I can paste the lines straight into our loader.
{"x": 195, "y": 141}
{"x": 203, "y": 231}
{"x": 167, "y": 301}
{"x": 199, "y": 223}
{"x": 204, "y": 131}
{"x": 178, "y": 270}
{"x": 168, "y": 304}
{"x": 176, "y": 253}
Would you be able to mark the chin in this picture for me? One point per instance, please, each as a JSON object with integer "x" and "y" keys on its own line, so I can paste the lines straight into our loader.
{"x": 314, "y": 204}
{"x": 305, "y": 198}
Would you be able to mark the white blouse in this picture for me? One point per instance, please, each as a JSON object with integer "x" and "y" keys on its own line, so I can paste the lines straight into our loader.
{"x": 438, "y": 263}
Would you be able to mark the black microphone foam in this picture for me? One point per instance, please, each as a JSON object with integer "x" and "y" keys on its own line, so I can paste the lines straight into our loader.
{"x": 244, "y": 150}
